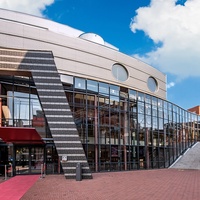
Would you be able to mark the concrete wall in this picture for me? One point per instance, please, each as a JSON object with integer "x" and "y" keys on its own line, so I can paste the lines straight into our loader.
{"x": 73, "y": 55}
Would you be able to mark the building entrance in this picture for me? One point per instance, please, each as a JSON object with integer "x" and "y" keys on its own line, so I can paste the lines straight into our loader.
{"x": 29, "y": 159}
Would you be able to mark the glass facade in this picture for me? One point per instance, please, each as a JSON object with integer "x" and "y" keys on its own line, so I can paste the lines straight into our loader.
{"x": 120, "y": 129}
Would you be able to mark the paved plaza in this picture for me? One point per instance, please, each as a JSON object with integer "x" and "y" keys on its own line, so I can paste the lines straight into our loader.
{"x": 180, "y": 182}
{"x": 165, "y": 184}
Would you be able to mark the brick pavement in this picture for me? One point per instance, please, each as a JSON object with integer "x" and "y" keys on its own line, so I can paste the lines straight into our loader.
{"x": 164, "y": 184}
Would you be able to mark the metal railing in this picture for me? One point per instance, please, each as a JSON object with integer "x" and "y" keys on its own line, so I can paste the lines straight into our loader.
{"x": 43, "y": 170}
{"x": 8, "y": 169}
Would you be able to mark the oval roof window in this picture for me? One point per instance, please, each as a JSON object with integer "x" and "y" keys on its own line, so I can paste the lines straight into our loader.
{"x": 119, "y": 72}
{"x": 152, "y": 84}
{"x": 92, "y": 37}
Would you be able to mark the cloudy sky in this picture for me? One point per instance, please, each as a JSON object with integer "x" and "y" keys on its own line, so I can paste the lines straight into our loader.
{"x": 162, "y": 33}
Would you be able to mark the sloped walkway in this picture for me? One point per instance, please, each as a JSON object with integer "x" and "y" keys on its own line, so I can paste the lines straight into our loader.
{"x": 16, "y": 187}
{"x": 190, "y": 160}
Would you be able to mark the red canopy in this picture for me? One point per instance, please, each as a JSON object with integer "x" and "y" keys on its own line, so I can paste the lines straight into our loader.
{"x": 20, "y": 135}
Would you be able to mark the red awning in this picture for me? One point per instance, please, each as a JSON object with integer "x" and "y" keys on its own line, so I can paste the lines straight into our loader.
{"x": 20, "y": 135}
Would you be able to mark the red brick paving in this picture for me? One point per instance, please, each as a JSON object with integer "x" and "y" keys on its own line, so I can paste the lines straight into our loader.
{"x": 165, "y": 184}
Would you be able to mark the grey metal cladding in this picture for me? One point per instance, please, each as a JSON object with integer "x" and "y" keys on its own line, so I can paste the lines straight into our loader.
{"x": 52, "y": 97}
{"x": 61, "y": 125}
{"x": 69, "y": 145}
{"x": 22, "y": 61}
{"x": 60, "y": 120}
{"x": 53, "y": 106}
{"x": 71, "y": 151}
{"x": 42, "y": 73}
{"x": 74, "y": 165}
{"x": 72, "y": 139}
{"x": 49, "y": 99}
{"x": 22, "y": 53}
{"x": 49, "y": 93}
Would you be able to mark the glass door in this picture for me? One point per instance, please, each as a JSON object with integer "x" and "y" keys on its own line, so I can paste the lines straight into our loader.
{"x": 22, "y": 160}
{"x": 36, "y": 159}
{"x": 29, "y": 160}
{"x": 52, "y": 160}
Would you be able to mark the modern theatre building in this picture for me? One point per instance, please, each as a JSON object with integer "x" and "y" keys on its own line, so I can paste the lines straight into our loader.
{"x": 69, "y": 97}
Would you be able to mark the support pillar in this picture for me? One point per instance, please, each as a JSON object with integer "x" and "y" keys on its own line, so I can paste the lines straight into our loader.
{"x": 125, "y": 135}
{"x": 0, "y": 108}
{"x": 96, "y": 132}
{"x": 147, "y": 148}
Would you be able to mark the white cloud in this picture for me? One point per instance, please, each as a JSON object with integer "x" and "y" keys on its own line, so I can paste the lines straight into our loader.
{"x": 171, "y": 84}
{"x": 34, "y": 7}
{"x": 177, "y": 28}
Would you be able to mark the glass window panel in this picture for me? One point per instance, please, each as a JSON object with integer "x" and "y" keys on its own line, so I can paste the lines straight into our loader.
{"x": 166, "y": 114}
{"x": 155, "y": 139}
{"x": 174, "y": 108}
{"x": 148, "y": 98}
{"x": 141, "y": 138}
{"x": 148, "y": 109}
{"x": 148, "y": 121}
{"x": 114, "y": 101}
{"x": 160, "y": 123}
{"x": 166, "y": 124}
{"x": 169, "y": 106}
{"x": 92, "y": 85}
{"x": 103, "y": 88}
{"x": 152, "y": 84}
{"x": 90, "y": 100}
{"x": 119, "y": 72}
{"x": 115, "y": 137}
{"x": 103, "y": 101}
{"x": 132, "y": 94}
{"x": 141, "y": 121}
{"x": 154, "y": 101}
{"x": 140, "y": 107}
{"x": 165, "y": 105}
{"x": 104, "y": 135}
{"x": 80, "y": 83}
{"x": 174, "y": 117}
{"x": 80, "y": 99}
{"x": 154, "y": 111}
{"x": 140, "y": 96}
{"x": 66, "y": 79}
{"x": 155, "y": 123}
{"x": 160, "y": 108}
{"x": 114, "y": 90}
{"x": 21, "y": 108}
{"x": 170, "y": 115}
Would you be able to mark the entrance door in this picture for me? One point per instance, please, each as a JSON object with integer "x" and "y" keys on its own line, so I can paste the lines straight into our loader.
{"x": 22, "y": 160}
{"x": 29, "y": 159}
{"x": 37, "y": 159}
{"x": 52, "y": 160}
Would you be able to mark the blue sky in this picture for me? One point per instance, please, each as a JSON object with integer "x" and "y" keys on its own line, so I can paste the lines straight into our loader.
{"x": 163, "y": 33}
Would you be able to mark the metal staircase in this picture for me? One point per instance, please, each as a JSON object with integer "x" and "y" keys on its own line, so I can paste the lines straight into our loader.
{"x": 55, "y": 106}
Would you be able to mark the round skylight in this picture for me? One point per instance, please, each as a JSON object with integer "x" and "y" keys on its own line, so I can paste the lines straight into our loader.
{"x": 92, "y": 37}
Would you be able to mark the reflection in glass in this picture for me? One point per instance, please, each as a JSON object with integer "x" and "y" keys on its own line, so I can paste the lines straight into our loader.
{"x": 132, "y": 94}
{"x": 80, "y": 83}
{"x": 92, "y": 86}
{"x": 117, "y": 132}
{"x": 119, "y": 72}
{"x": 103, "y": 88}
{"x": 114, "y": 90}
{"x": 152, "y": 84}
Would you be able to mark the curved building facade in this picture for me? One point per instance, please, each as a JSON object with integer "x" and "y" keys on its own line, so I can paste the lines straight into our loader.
{"x": 69, "y": 97}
